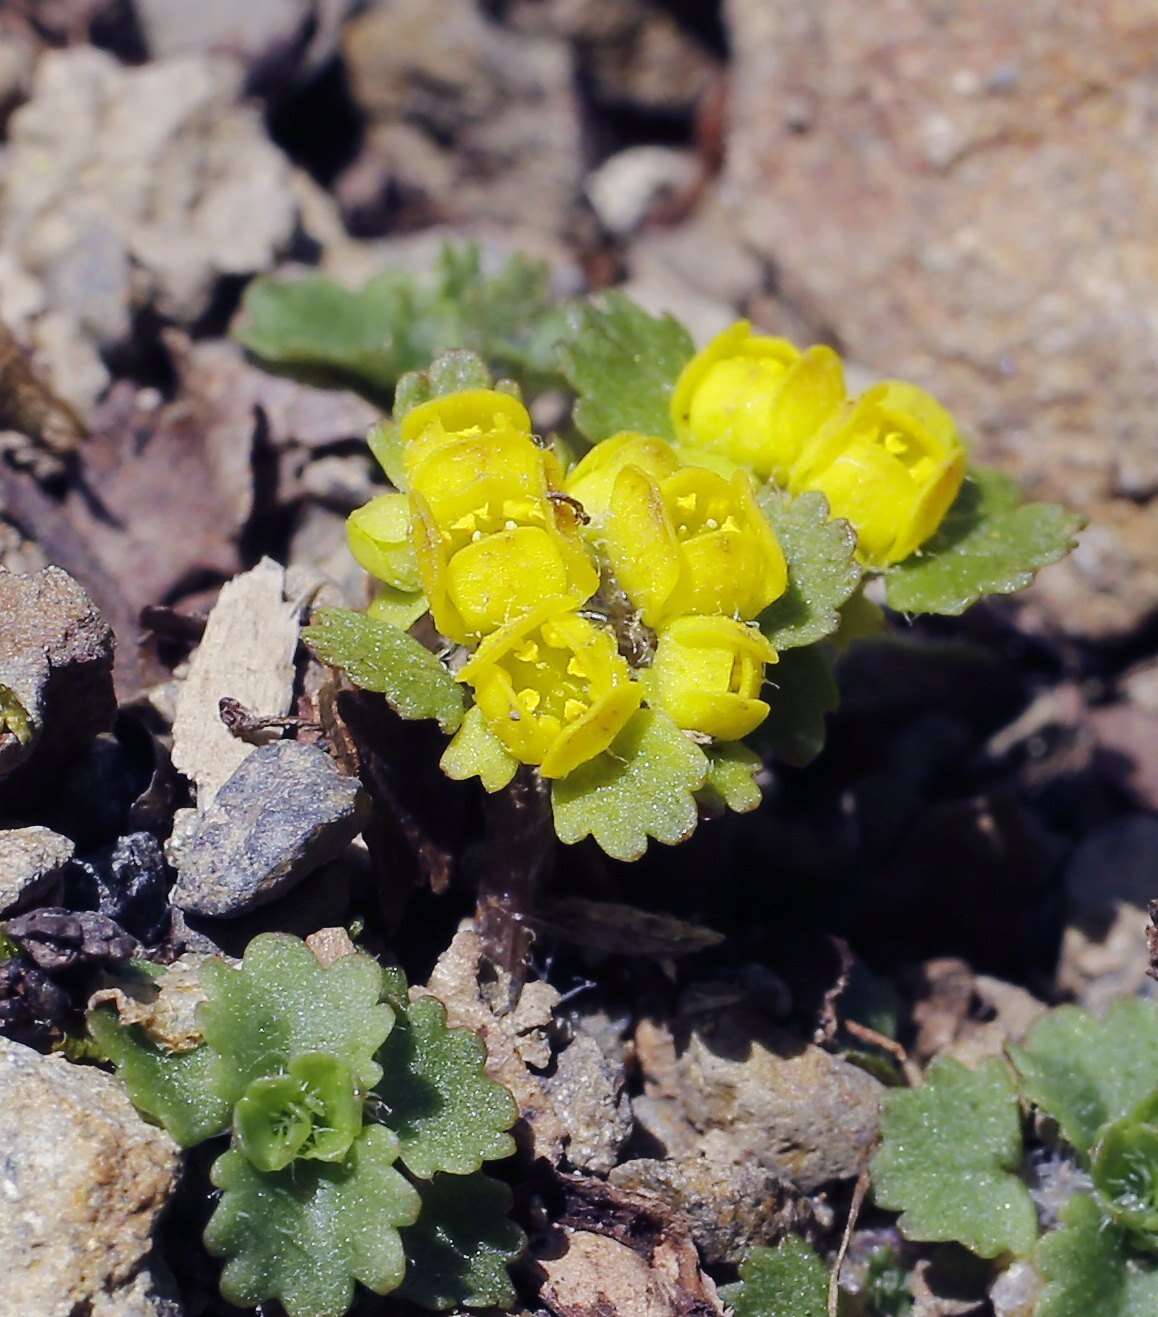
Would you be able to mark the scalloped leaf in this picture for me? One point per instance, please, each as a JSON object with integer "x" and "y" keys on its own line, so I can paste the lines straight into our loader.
{"x": 280, "y": 1002}
{"x": 321, "y": 1227}
{"x": 803, "y": 693}
{"x": 732, "y": 769}
{"x": 175, "y": 1088}
{"x": 989, "y": 543}
{"x": 642, "y": 786}
{"x": 476, "y": 751}
{"x": 1084, "y": 1071}
{"x": 318, "y": 330}
{"x": 947, "y": 1157}
{"x": 786, "y": 1281}
{"x": 382, "y": 658}
{"x": 1088, "y": 1268}
{"x": 448, "y": 1115}
{"x": 458, "y": 1253}
{"x": 622, "y": 364}
{"x": 822, "y": 569}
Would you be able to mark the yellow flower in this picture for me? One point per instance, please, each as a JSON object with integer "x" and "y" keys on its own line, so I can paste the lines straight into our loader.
{"x": 490, "y": 541}
{"x": 467, "y": 414}
{"x": 592, "y": 479}
{"x": 379, "y": 537}
{"x": 692, "y": 543}
{"x": 891, "y": 463}
{"x": 707, "y": 675}
{"x": 552, "y": 687}
{"x": 755, "y": 400}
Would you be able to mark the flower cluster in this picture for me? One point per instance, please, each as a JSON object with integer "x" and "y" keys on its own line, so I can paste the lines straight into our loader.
{"x": 890, "y": 461}
{"x": 519, "y": 564}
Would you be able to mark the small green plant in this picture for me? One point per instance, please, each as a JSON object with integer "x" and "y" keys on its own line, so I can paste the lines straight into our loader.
{"x": 610, "y": 604}
{"x": 358, "y": 1125}
{"x": 952, "y": 1158}
{"x": 786, "y": 1281}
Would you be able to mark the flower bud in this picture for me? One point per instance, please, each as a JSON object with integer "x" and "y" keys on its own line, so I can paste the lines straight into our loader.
{"x": 891, "y": 463}
{"x": 379, "y": 537}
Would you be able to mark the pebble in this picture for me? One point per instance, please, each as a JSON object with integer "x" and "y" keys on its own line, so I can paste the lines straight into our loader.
{"x": 285, "y": 812}
{"x": 31, "y": 860}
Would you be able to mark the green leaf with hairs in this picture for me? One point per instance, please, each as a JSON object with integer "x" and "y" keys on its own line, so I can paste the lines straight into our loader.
{"x": 622, "y": 363}
{"x": 786, "y": 1281}
{"x": 383, "y": 658}
{"x": 989, "y": 543}
{"x": 948, "y": 1160}
{"x": 731, "y": 784}
{"x": 1089, "y": 1270}
{"x": 642, "y": 786}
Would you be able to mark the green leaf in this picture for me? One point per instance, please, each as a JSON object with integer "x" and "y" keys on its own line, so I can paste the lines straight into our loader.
{"x": 280, "y": 1003}
{"x": 448, "y": 1115}
{"x": 304, "y": 1235}
{"x": 175, "y": 1088}
{"x": 1089, "y": 1271}
{"x": 380, "y": 657}
{"x": 1083, "y": 1071}
{"x": 731, "y": 783}
{"x": 803, "y": 693}
{"x": 990, "y": 543}
{"x": 397, "y": 608}
{"x": 642, "y": 786}
{"x": 786, "y": 1281}
{"x": 822, "y": 570}
{"x": 316, "y": 330}
{"x": 622, "y": 363}
{"x": 14, "y": 717}
{"x": 385, "y": 443}
{"x": 1124, "y": 1166}
{"x": 458, "y": 1252}
{"x": 947, "y": 1157}
{"x": 476, "y": 751}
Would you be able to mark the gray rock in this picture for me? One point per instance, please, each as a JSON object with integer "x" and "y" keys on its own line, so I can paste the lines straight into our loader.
{"x": 590, "y": 1098}
{"x": 733, "y": 1078}
{"x": 730, "y": 1206}
{"x": 181, "y": 187}
{"x": 56, "y": 660}
{"x": 285, "y": 812}
{"x": 83, "y": 1180}
{"x": 30, "y": 862}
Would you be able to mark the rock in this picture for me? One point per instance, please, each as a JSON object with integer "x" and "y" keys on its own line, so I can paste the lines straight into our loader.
{"x": 166, "y": 1010}
{"x": 285, "y": 812}
{"x": 1127, "y": 735}
{"x": 902, "y": 180}
{"x": 83, "y": 1180}
{"x": 789, "y": 1107}
{"x": 1109, "y": 883}
{"x": 489, "y": 119}
{"x": 245, "y": 654}
{"x": 589, "y": 1096}
{"x": 181, "y": 187}
{"x": 129, "y": 882}
{"x": 629, "y": 185}
{"x": 56, "y": 661}
{"x": 476, "y": 999}
{"x": 31, "y": 860}
{"x": 730, "y": 1206}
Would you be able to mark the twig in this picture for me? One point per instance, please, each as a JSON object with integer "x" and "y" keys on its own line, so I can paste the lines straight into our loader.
{"x": 909, "y": 1067}
{"x": 858, "y": 1196}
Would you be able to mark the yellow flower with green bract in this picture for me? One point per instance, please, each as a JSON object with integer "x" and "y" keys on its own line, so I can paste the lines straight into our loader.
{"x": 693, "y": 542}
{"x": 552, "y": 687}
{"x": 891, "y": 463}
{"x": 466, "y": 414}
{"x": 707, "y": 675}
{"x": 378, "y": 534}
{"x": 754, "y": 401}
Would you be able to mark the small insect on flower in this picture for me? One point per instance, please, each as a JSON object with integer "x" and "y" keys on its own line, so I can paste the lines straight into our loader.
{"x": 592, "y": 479}
{"x": 754, "y": 401}
{"x": 552, "y": 687}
